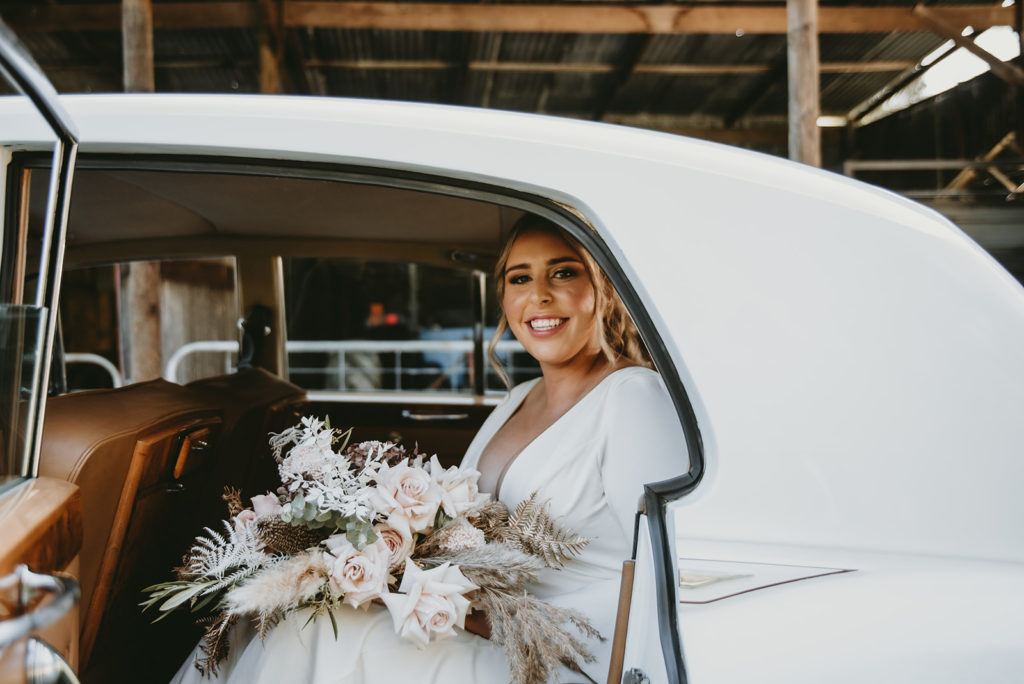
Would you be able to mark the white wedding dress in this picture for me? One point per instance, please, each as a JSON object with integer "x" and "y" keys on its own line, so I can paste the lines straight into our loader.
{"x": 591, "y": 464}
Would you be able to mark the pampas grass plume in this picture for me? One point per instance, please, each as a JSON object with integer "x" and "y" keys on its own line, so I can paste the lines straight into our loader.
{"x": 290, "y": 582}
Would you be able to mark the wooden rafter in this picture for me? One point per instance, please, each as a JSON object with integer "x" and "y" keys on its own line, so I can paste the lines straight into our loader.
{"x": 499, "y": 67}
{"x": 435, "y": 16}
{"x": 1011, "y": 73}
{"x": 966, "y": 175}
{"x": 559, "y": 67}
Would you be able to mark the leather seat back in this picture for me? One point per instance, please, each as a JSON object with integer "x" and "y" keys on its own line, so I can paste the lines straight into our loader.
{"x": 130, "y": 450}
{"x": 255, "y": 402}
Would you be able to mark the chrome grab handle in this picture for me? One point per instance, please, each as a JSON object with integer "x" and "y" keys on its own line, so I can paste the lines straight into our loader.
{"x": 30, "y": 585}
{"x": 426, "y": 417}
{"x": 43, "y": 665}
{"x": 54, "y": 595}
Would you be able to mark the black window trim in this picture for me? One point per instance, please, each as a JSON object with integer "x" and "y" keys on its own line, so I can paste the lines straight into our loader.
{"x": 657, "y": 495}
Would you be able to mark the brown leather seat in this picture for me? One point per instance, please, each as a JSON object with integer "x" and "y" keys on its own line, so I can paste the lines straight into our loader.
{"x": 255, "y": 403}
{"x": 137, "y": 454}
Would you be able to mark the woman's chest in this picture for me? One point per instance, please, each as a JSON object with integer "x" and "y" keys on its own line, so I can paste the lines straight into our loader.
{"x": 563, "y": 465}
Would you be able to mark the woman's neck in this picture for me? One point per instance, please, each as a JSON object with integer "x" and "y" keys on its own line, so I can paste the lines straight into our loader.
{"x": 564, "y": 385}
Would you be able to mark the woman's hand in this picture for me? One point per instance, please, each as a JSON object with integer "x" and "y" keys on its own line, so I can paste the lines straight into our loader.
{"x": 477, "y": 623}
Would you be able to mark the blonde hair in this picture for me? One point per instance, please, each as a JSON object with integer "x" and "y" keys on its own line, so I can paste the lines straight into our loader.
{"x": 619, "y": 337}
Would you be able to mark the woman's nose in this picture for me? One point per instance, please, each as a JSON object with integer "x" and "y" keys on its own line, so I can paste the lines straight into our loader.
{"x": 540, "y": 292}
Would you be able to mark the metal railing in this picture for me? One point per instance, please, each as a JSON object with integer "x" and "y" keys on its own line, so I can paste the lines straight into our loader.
{"x": 357, "y": 364}
{"x": 96, "y": 360}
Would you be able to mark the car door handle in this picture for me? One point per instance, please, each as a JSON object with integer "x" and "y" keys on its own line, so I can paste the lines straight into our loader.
{"x": 430, "y": 417}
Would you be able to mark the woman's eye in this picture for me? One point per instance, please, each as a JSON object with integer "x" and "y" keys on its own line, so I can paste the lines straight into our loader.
{"x": 565, "y": 273}
{"x": 517, "y": 279}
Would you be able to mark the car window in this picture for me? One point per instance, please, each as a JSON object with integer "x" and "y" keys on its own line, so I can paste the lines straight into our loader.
{"x": 196, "y": 319}
{"x": 389, "y": 326}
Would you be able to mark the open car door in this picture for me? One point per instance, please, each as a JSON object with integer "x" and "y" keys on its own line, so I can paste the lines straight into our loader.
{"x": 41, "y": 517}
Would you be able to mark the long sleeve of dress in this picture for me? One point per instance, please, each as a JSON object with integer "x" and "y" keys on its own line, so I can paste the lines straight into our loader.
{"x": 644, "y": 443}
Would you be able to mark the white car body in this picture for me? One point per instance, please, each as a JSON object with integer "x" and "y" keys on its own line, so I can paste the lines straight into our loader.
{"x": 853, "y": 360}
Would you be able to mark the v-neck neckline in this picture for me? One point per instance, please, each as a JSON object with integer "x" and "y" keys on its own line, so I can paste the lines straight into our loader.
{"x": 536, "y": 438}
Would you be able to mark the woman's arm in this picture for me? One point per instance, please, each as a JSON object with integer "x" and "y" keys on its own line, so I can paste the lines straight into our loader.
{"x": 644, "y": 443}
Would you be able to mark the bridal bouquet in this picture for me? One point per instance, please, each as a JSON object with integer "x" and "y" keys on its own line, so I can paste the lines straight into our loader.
{"x": 371, "y": 523}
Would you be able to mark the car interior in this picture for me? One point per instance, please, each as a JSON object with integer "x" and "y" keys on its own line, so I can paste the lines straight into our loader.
{"x": 151, "y": 458}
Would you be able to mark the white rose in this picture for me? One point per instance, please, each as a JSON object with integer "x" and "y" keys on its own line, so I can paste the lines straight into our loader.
{"x": 399, "y": 542}
{"x": 360, "y": 576}
{"x": 409, "y": 491}
{"x": 459, "y": 492}
{"x": 431, "y": 603}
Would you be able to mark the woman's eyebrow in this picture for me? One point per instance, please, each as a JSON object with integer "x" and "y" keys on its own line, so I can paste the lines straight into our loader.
{"x": 551, "y": 262}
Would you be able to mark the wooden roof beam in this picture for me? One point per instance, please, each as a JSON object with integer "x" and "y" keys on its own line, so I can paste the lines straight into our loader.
{"x": 1009, "y": 72}
{"x": 597, "y": 68}
{"x": 530, "y": 18}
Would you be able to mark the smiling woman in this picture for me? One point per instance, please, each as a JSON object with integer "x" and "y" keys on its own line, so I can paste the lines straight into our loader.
{"x": 541, "y": 268}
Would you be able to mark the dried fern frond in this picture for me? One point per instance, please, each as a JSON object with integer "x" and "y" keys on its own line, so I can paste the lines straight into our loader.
{"x": 281, "y": 537}
{"x": 220, "y": 555}
{"x": 265, "y": 623}
{"x": 532, "y": 529}
{"x": 492, "y": 518}
{"x": 233, "y": 497}
{"x": 534, "y": 635}
{"x": 497, "y": 565}
{"x": 215, "y": 645}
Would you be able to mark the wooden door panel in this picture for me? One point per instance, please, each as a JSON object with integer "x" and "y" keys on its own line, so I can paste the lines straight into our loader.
{"x": 41, "y": 521}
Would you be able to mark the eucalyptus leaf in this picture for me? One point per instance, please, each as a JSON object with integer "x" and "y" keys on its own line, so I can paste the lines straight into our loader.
{"x": 183, "y": 596}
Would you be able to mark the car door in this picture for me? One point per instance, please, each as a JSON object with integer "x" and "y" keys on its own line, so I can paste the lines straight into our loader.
{"x": 41, "y": 517}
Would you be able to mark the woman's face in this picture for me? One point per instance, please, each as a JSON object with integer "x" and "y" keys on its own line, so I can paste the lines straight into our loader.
{"x": 549, "y": 300}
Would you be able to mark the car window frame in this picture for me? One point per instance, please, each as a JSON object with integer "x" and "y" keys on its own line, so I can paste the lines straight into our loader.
{"x": 656, "y": 495}
{"x": 21, "y": 71}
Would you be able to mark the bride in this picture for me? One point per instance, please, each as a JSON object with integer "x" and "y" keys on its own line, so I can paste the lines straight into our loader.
{"x": 586, "y": 435}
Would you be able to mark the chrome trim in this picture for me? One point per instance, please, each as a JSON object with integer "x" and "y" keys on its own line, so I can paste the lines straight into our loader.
{"x": 29, "y": 585}
{"x": 43, "y": 665}
{"x": 432, "y": 417}
{"x": 26, "y": 76}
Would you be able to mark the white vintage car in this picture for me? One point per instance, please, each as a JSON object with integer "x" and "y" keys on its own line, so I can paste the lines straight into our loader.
{"x": 848, "y": 368}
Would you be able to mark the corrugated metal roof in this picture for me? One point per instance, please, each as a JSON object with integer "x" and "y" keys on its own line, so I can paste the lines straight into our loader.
{"x": 588, "y": 75}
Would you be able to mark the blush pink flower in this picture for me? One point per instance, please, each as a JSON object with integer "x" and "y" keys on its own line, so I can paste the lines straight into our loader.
{"x": 405, "y": 491}
{"x": 244, "y": 520}
{"x": 360, "y": 576}
{"x": 398, "y": 541}
{"x": 431, "y": 604}
{"x": 265, "y": 504}
{"x": 459, "y": 492}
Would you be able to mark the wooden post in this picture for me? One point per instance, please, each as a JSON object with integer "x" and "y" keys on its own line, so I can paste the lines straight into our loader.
{"x": 137, "y": 32}
{"x": 804, "y": 86}
{"x": 145, "y": 354}
{"x": 269, "y": 40}
{"x": 269, "y": 77}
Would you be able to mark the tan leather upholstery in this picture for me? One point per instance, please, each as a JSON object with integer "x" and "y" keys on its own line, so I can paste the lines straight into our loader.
{"x": 121, "y": 447}
{"x": 255, "y": 402}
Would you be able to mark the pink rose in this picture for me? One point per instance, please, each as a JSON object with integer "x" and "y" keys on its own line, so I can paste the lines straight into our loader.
{"x": 459, "y": 493}
{"x": 266, "y": 504}
{"x": 398, "y": 541}
{"x": 404, "y": 491}
{"x": 244, "y": 520}
{"x": 360, "y": 576}
{"x": 432, "y": 602}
